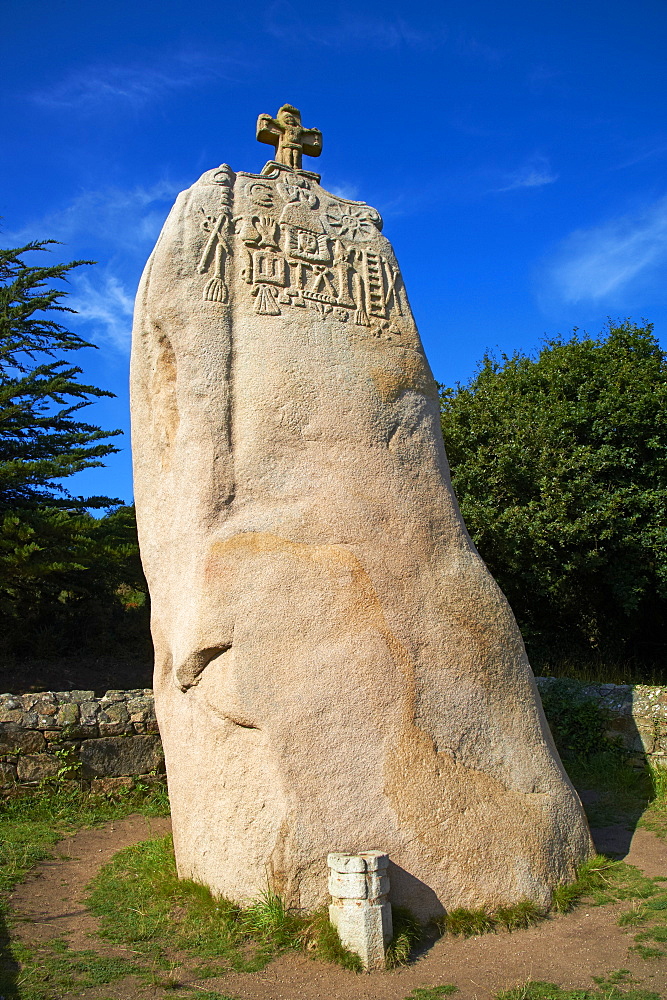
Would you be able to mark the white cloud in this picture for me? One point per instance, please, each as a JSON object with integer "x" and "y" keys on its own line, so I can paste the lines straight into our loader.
{"x": 536, "y": 172}
{"x": 348, "y": 191}
{"x": 350, "y": 27}
{"x": 96, "y": 86}
{"x": 126, "y": 219}
{"x": 605, "y": 260}
{"x": 104, "y": 306}
{"x": 115, "y": 227}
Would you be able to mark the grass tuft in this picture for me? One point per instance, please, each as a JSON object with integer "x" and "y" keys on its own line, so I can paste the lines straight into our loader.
{"x": 472, "y": 923}
{"x": 432, "y": 992}
{"x": 321, "y": 941}
{"x": 611, "y": 990}
{"x": 466, "y": 923}
{"x": 408, "y": 934}
{"x": 604, "y": 881}
{"x": 523, "y": 914}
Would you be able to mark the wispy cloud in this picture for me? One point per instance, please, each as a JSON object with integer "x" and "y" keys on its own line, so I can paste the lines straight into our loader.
{"x": 105, "y": 308}
{"x": 606, "y": 260}
{"x": 348, "y": 191}
{"x": 97, "y": 86}
{"x": 125, "y": 219}
{"x": 117, "y": 228}
{"x": 350, "y": 27}
{"x": 536, "y": 172}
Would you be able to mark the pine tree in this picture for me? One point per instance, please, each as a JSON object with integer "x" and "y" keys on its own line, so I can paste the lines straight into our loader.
{"x": 70, "y": 583}
{"x": 42, "y": 438}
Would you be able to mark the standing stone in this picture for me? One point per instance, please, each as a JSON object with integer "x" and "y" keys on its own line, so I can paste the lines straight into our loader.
{"x": 335, "y": 666}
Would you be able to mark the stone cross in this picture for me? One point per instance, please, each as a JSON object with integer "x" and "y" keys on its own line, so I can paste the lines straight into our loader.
{"x": 286, "y": 133}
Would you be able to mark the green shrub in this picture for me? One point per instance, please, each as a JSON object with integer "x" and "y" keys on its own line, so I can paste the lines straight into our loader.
{"x": 578, "y": 722}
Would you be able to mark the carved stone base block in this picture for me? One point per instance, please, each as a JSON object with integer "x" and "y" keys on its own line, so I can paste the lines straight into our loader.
{"x": 360, "y": 911}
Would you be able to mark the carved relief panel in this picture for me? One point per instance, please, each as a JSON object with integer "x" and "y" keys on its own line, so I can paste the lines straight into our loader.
{"x": 297, "y": 246}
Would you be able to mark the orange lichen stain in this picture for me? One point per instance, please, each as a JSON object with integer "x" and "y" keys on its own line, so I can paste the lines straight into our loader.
{"x": 400, "y": 371}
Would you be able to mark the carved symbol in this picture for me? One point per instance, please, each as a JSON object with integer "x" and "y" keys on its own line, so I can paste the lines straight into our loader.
{"x": 355, "y": 222}
{"x": 215, "y": 289}
{"x": 391, "y": 294}
{"x": 290, "y": 138}
{"x": 375, "y": 302}
{"x": 224, "y": 178}
{"x": 268, "y": 231}
{"x": 223, "y": 175}
{"x": 265, "y": 303}
{"x": 295, "y": 188}
{"x": 269, "y": 267}
{"x": 306, "y": 245}
{"x": 360, "y": 315}
{"x": 248, "y": 233}
{"x": 261, "y": 194}
{"x": 321, "y": 283}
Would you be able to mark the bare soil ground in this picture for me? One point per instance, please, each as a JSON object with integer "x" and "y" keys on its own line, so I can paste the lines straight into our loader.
{"x": 567, "y": 950}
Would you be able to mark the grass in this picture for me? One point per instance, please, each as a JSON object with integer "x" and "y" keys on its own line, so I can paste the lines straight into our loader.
{"x": 472, "y": 923}
{"x": 53, "y": 969}
{"x": 613, "y": 988}
{"x": 599, "y": 880}
{"x": 140, "y": 902}
{"x": 31, "y": 824}
{"x": 654, "y": 817}
{"x": 408, "y": 934}
{"x": 432, "y": 992}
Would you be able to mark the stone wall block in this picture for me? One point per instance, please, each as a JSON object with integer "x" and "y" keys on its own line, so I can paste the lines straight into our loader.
{"x": 23, "y": 740}
{"x": 37, "y": 767}
{"x": 141, "y": 709}
{"x": 36, "y": 701}
{"x": 7, "y": 774}
{"x": 105, "y": 785}
{"x": 68, "y": 715}
{"x": 113, "y": 719}
{"x": 11, "y": 702}
{"x": 643, "y": 744}
{"x": 120, "y": 756}
{"x": 11, "y": 714}
{"x": 89, "y": 712}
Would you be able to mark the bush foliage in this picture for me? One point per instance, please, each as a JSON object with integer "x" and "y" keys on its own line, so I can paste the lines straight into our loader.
{"x": 559, "y": 463}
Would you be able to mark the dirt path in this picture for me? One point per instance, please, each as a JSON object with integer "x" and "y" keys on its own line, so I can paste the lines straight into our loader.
{"x": 567, "y": 950}
{"x": 52, "y": 898}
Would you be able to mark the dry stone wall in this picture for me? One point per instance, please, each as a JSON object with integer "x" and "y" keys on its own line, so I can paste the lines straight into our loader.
{"x": 103, "y": 741}
{"x": 114, "y": 738}
{"x": 637, "y": 716}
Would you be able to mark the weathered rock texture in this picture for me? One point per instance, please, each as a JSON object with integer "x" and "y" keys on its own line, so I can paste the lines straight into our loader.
{"x": 335, "y": 667}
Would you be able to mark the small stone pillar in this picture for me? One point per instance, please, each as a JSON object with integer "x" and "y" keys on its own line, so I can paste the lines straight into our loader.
{"x": 360, "y": 910}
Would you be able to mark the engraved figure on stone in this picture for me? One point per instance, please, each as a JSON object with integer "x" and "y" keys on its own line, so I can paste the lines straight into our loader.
{"x": 215, "y": 252}
{"x": 297, "y": 189}
{"x": 288, "y": 135}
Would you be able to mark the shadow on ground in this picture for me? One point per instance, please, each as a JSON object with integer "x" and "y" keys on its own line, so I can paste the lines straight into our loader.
{"x": 9, "y": 968}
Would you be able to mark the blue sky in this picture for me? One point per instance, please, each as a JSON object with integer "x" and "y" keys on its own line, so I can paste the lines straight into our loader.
{"x": 516, "y": 150}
